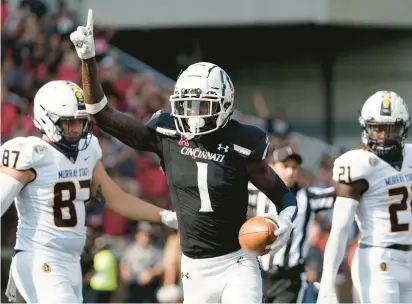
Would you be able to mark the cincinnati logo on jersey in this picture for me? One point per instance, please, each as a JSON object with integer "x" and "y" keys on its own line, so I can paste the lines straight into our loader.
{"x": 197, "y": 153}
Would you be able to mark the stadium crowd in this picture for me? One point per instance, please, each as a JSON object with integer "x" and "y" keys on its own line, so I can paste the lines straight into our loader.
{"x": 139, "y": 258}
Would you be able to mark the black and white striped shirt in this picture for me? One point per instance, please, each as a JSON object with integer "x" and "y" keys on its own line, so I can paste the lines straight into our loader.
{"x": 310, "y": 201}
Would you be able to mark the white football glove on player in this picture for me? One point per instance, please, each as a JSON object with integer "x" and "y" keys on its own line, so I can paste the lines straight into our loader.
{"x": 83, "y": 39}
{"x": 285, "y": 226}
{"x": 169, "y": 218}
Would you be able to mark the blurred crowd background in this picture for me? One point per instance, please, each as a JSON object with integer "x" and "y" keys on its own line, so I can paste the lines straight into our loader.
{"x": 287, "y": 97}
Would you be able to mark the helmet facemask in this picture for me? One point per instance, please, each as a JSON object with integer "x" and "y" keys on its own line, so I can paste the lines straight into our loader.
{"x": 68, "y": 141}
{"x": 384, "y": 138}
{"x": 197, "y": 113}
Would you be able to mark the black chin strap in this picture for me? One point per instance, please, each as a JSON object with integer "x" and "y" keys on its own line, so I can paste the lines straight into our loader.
{"x": 393, "y": 157}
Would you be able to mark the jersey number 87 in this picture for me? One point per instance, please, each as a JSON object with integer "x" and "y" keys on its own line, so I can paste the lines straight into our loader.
{"x": 61, "y": 201}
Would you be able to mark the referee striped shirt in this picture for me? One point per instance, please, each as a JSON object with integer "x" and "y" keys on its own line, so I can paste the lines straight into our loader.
{"x": 310, "y": 202}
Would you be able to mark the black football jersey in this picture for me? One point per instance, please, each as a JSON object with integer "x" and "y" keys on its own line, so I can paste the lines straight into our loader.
{"x": 208, "y": 182}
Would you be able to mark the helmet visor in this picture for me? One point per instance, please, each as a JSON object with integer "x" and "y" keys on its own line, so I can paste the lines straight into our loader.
{"x": 187, "y": 108}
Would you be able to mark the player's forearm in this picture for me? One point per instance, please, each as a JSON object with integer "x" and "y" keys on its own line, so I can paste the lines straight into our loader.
{"x": 128, "y": 130}
{"x": 10, "y": 188}
{"x": 134, "y": 208}
{"x": 343, "y": 216}
{"x": 281, "y": 196}
{"x": 93, "y": 90}
{"x": 267, "y": 181}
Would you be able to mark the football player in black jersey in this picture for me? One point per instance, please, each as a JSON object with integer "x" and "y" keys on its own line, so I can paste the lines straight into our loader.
{"x": 208, "y": 160}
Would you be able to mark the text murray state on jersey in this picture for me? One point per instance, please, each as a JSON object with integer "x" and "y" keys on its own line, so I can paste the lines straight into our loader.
{"x": 80, "y": 172}
{"x": 398, "y": 179}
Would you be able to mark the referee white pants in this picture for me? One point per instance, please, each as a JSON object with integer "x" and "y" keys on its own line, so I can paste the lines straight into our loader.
{"x": 41, "y": 278}
{"x": 231, "y": 278}
{"x": 382, "y": 275}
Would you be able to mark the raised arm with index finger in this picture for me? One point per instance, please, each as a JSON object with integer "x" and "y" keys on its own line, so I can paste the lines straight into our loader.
{"x": 128, "y": 130}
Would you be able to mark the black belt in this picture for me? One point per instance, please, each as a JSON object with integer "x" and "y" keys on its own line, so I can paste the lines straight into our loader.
{"x": 394, "y": 246}
{"x": 298, "y": 269}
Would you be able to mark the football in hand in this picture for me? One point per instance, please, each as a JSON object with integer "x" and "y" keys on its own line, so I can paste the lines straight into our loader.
{"x": 256, "y": 234}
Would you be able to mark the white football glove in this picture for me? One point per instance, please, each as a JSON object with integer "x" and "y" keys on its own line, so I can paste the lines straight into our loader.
{"x": 83, "y": 39}
{"x": 285, "y": 226}
{"x": 169, "y": 218}
{"x": 326, "y": 295}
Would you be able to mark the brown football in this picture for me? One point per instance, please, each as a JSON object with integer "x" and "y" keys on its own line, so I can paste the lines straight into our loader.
{"x": 256, "y": 234}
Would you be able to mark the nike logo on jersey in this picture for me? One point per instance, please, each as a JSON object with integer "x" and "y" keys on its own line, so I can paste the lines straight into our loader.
{"x": 184, "y": 275}
{"x": 197, "y": 153}
{"x": 86, "y": 158}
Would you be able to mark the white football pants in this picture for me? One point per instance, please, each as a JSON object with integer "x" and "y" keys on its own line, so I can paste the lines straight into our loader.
{"x": 44, "y": 279}
{"x": 382, "y": 275}
{"x": 231, "y": 278}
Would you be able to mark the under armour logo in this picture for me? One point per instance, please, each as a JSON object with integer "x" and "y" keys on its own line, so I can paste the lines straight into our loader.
{"x": 185, "y": 275}
{"x": 183, "y": 141}
{"x": 226, "y": 148}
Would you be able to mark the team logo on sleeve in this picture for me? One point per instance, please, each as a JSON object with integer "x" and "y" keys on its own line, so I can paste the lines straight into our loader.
{"x": 40, "y": 148}
{"x": 373, "y": 161}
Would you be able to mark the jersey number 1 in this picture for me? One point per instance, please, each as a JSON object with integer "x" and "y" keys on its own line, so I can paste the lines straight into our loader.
{"x": 62, "y": 201}
{"x": 401, "y": 206}
{"x": 205, "y": 203}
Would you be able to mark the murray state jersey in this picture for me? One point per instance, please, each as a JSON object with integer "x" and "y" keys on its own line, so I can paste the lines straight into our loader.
{"x": 51, "y": 209}
{"x": 384, "y": 215}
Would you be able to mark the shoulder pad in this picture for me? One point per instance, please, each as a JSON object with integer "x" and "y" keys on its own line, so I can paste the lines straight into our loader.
{"x": 22, "y": 153}
{"x": 249, "y": 141}
{"x": 162, "y": 122}
{"x": 354, "y": 165}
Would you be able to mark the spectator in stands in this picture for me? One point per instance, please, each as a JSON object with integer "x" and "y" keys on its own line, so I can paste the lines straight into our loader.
{"x": 324, "y": 175}
{"x": 279, "y": 130}
{"x": 141, "y": 266}
{"x": 172, "y": 290}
